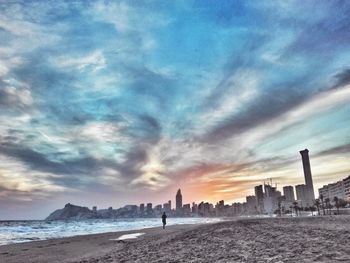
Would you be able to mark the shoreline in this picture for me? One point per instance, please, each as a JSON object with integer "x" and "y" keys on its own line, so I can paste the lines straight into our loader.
{"x": 77, "y": 247}
{"x": 298, "y": 239}
{"x": 48, "y": 230}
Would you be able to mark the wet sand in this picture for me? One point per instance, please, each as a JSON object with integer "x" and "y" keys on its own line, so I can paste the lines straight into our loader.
{"x": 316, "y": 239}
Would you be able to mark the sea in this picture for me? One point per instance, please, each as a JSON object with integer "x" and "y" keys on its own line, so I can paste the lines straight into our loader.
{"x": 12, "y": 232}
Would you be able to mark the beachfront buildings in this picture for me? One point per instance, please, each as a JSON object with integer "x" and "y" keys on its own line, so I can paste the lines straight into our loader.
{"x": 259, "y": 195}
{"x": 302, "y": 195}
{"x": 270, "y": 199}
{"x": 186, "y": 209}
{"x": 204, "y": 209}
{"x": 149, "y": 209}
{"x": 347, "y": 188}
{"x": 219, "y": 208}
{"x": 194, "y": 208}
{"x": 288, "y": 196}
{"x": 267, "y": 200}
{"x": 340, "y": 189}
{"x": 167, "y": 206}
{"x": 251, "y": 204}
{"x": 288, "y": 193}
{"x": 142, "y": 208}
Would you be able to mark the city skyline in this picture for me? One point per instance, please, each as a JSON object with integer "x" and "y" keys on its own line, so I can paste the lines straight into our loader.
{"x": 113, "y": 102}
{"x": 267, "y": 199}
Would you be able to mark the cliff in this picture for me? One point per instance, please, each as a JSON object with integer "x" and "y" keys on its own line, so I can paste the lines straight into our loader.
{"x": 71, "y": 212}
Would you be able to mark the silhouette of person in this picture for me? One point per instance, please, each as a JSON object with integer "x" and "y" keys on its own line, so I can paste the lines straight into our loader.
{"x": 164, "y": 219}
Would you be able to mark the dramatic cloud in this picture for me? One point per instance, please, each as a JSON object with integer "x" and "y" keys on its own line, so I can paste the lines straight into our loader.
{"x": 115, "y": 102}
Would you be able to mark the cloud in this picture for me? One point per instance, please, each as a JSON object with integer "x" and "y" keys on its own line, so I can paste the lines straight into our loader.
{"x": 341, "y": 149}
{"x": 266, "y": 107}
{"x": 343, "y": 78}
{"x": 70, "y": 173}
{"x": 10, "y": 97}
{"x": 6, "y": 194}
{"x": 326, "y": 33}
{"x": 136, "y": 98}
{"x": 128, "y": 16}
{"x": 95, "y": 61}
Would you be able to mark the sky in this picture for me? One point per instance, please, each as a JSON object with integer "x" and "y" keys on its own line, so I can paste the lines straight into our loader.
{"x": 111, "y": 103}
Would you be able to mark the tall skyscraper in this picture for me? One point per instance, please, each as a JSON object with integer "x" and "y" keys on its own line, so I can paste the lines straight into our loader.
{"x": 178, "y": 200}
{"x": 308, "y": 176}
{"x": 259, "y": 195}
{"x": 288, "y": 193}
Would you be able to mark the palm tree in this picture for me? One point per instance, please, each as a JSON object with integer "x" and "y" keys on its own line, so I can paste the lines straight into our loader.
{"x": 279, "y": 209}
{"x": 336, "y": 200}
{"x": 317, "y": 204}
{"x": 295, "y": 206}
{"x": 300, "y": 209}
{"x": 324, "y": 212}
{"x": 328, "y": 205}
{"x": 313, "y": 209}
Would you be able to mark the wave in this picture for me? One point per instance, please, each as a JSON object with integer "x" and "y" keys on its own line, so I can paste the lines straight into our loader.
{"x": 24, "y": 231}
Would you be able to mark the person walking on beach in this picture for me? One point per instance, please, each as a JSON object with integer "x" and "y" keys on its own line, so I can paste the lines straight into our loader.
{"x": 164, "y": 219}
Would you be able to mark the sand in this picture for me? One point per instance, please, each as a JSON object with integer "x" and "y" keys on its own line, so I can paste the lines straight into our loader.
{"x": 313, "y": 239}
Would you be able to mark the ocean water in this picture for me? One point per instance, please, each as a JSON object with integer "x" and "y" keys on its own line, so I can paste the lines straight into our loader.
{"x": 23, "y": 231}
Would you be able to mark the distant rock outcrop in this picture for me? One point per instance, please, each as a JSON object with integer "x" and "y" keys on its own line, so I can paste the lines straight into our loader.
{"x": 71, "y": 212}
{"x": 74, "y": 212}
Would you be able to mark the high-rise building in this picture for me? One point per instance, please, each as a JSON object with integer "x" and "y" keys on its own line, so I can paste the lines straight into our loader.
{"x": 201, "y": 208}
{"x": 323, "y": 191}
{"x": 169, "y": 202}
{"x": 187, "y": 209}
{"x": 194, "y": 208}
{"x": 149, "y": 209}
{"x": 204, "y": 209}
{"x": 259, "y": 195}
{"x": 219, "y": 208}
{"x": 270, "y": 199}
{"x": 157, "y": 209}
{"x": 142, "y": 208}
{"x": 237, "y": 208}
{"x": 251, "y": 204}
{"x": 167, "y": 206}
{"x": 288, "y": 193}
{"x": 178, "y": 200}
{"x": 340, "y": 189}
{"x": 302, "y": 195}
{"x": 308, "y": 176}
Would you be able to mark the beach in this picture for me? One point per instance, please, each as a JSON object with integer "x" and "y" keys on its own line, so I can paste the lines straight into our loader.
{"x": 307, "y": 239}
